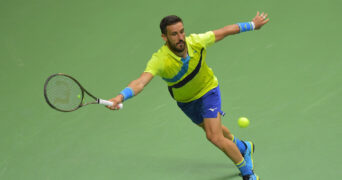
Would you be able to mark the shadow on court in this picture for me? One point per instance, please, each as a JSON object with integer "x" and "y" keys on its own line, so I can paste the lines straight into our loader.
{"x": 228, "y": 177}
{"x": 188, "y": 168}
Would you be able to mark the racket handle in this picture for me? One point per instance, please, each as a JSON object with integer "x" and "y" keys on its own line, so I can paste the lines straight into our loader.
{"x": 108, "y": 103}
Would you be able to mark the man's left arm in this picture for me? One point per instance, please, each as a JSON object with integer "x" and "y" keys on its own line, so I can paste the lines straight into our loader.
{"x": 258, "y": 21}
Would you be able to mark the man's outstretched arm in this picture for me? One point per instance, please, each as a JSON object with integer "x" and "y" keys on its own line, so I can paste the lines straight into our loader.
{"x": 133, "y": 89}
{"x": 258, "y": 21}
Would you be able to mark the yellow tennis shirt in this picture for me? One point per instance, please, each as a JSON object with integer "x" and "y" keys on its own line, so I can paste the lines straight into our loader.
{"x": 174, "y": 69}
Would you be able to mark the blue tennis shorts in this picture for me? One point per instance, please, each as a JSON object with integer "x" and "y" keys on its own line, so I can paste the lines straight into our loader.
{"x": 205, "y": 107}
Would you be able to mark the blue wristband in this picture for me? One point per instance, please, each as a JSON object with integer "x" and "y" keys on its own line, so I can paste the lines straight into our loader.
{"x": 246, "y": 26}
{"x": 127, "y": 93}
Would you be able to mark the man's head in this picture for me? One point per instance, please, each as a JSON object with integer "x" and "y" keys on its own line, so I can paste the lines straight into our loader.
{"x": 173, "y": 33}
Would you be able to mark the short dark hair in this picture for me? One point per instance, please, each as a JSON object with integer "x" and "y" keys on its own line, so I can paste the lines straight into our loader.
{"x": 169, "y": 20}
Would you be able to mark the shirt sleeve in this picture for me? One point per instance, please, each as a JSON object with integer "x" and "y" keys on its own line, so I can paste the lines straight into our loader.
{"x": 204, "y": 39}
{"x": 154, "y": 65}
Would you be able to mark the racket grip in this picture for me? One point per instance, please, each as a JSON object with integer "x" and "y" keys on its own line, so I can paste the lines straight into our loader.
{"x": 108, "y": 103}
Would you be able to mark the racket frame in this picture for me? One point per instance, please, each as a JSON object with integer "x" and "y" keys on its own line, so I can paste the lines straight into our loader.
{"x": 83, "y": 90}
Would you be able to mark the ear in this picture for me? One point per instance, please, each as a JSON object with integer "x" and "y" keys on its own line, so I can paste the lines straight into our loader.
{"x": 164, "y": 37}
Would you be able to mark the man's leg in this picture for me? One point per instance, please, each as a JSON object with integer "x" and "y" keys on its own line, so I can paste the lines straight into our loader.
{"x": 240, "y": 144}
{"x": 246, "y": 147}
{"x": 206, "y": 112}
{"x": 226, "y": 133}
{"x": 214, "y": 133}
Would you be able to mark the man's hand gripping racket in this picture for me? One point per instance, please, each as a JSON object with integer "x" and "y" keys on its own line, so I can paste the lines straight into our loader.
{"x": 117, "y": 105}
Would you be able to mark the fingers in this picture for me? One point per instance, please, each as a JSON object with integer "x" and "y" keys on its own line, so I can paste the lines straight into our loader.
{"x": 116, "y": 102}
{"x": 115, "y": 105}
{"x": 263, "y": 14}
{"x": 266, "y": 21}
{"x": 111, "y": 107}
{"x": 263, "y": 17}
{"x": 260, "y": 19}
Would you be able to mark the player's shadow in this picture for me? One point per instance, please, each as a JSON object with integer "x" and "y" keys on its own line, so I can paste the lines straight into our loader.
{"x": 225, "y": 171}
{"x": 227, "y": 177}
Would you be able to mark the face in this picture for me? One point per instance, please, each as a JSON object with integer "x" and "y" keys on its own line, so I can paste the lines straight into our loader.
{"x": 175, "y": 37}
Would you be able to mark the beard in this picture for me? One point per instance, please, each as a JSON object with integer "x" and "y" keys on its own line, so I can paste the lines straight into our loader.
{"x": 178, "y": 47}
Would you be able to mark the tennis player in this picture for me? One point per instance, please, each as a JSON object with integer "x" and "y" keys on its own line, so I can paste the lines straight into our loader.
{"x": 181, "y": 63}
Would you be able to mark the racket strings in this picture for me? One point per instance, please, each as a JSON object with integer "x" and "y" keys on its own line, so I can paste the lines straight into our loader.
{"x": 63, "y": 93}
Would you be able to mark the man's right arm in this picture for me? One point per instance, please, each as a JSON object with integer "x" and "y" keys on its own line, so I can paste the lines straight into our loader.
{"x": 136, "y": 85}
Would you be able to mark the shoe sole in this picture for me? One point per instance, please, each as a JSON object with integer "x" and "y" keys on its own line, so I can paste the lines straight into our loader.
{"x": 252, "y": 152}
{"x": 253, "y": 149}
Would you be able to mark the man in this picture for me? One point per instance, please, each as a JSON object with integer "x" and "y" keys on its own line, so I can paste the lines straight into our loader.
{"x": 181, "y": 63}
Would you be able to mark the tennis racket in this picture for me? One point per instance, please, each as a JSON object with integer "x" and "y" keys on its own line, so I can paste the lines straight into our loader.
{"x": 64, "y": 93}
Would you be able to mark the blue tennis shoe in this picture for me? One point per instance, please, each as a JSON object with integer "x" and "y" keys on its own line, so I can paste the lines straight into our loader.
{"x": 251, "y": 177}
{"x": 248, "y": 156}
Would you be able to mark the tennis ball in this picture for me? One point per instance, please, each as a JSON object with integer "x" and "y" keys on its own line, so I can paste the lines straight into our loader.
{"x": 243, "y": 122}
{"x": 79, "y": 96}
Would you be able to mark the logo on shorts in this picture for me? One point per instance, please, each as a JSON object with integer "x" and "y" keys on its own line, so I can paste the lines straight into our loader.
{"x": 212, "y": 109}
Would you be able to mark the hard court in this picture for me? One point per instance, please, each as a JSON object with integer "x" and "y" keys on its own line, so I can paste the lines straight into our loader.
{"x": 286, "y": 78}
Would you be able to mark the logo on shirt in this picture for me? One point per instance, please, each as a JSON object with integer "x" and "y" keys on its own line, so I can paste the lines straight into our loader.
{"x": 212, "y": 109}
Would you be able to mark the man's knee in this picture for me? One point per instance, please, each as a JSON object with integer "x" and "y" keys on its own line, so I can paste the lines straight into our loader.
{"x": 214, "y": 138}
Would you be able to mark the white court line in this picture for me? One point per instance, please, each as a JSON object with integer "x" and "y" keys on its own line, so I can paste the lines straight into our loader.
{"x": 159, "y": 107}
{"x": 320, "y": 100}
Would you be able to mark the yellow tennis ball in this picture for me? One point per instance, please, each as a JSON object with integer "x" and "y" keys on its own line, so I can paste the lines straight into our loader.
{"x": 79, "y": 96}
{"x": 243, "y": 122}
